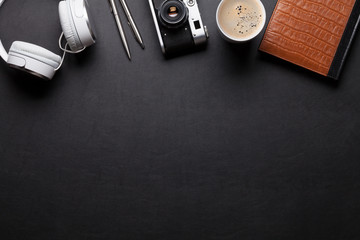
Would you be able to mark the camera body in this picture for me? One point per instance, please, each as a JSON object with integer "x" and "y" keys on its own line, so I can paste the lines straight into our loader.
{"x": 178, "y": 25}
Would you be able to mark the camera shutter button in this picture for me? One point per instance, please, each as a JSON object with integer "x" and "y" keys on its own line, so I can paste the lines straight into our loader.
{"x": 191, "y": 3}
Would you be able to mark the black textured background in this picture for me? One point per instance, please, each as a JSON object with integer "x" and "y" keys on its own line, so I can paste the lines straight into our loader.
{"x": 226, "y": 143}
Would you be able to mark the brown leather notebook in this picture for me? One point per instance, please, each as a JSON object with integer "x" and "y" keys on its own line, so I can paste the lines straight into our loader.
{"x": 314, "y": 34}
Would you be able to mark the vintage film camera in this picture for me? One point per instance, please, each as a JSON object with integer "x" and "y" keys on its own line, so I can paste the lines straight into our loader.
{"x": 178, "y": 25}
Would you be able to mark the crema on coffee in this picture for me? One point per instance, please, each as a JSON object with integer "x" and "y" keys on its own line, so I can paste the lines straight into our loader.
{"x": 241, "y": 19}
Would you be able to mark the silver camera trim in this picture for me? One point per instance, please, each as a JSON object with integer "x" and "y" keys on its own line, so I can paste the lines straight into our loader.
{"x": 152, "y": 7}
{"x": 199, "y": 35}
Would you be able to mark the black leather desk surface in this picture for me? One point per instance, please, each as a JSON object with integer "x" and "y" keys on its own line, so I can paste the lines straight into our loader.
{"x": 226, "y": 143}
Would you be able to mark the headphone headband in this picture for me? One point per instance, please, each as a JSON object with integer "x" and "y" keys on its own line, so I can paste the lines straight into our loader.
{"x": 3, "y": 53}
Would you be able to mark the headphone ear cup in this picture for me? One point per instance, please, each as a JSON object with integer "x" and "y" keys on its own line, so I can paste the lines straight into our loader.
{"x": 33, "y": 59}
{"x": 68, "y": 26}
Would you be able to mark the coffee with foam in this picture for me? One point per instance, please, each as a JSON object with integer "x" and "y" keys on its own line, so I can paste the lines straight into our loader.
{"x": 241, "y": 20}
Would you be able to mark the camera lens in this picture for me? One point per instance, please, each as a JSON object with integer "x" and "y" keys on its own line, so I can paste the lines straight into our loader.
{"x": 173, "y": 13}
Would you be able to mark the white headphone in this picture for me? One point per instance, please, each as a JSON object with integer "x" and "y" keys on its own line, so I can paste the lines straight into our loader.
{"x": 77, "y": 29}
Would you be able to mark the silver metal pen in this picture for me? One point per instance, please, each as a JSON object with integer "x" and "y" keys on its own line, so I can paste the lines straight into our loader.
{"x": 132, "y": 23}
{"x": 121, "y": 30}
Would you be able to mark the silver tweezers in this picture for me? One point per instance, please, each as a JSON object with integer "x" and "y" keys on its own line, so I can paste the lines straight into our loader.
{"x": 131, "y": 23}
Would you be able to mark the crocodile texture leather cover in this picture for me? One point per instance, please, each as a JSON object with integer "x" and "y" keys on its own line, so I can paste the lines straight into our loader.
{"x": 309, "y": 32}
